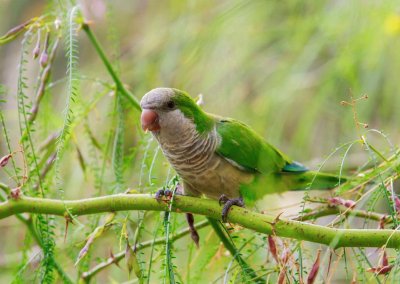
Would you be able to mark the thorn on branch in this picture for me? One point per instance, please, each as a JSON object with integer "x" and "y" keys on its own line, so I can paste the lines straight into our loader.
{"x": 114, "y": 259}
{"x": 68, "y": 219}
{"x": 273, "y": 224}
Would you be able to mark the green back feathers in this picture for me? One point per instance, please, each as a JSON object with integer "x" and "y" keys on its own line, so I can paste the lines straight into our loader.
{"x": 247, "y": 149}
{"x": 190, "y": 109}
{"x": 239, "y": 144}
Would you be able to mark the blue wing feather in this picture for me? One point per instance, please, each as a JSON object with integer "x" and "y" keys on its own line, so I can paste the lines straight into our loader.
{"x": 295, "y": 167}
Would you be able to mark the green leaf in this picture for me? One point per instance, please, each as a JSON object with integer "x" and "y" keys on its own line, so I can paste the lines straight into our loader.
{"x": 132, "y": 262}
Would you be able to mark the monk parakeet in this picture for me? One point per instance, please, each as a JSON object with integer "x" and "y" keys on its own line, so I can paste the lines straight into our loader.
{"x": 220, "y": 157}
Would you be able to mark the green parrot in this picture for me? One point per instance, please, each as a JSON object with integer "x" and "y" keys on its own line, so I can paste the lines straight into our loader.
{"x": 221, "y": 158}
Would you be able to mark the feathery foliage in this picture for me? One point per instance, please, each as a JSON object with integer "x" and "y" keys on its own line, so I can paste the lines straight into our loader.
{"x": 297, "y": 73}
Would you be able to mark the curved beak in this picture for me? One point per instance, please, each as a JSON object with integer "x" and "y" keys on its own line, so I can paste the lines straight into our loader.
{"x": 149, "y": 120}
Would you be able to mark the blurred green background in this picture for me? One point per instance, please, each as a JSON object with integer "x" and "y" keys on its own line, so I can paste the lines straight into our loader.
{"x": 282, "y": 67}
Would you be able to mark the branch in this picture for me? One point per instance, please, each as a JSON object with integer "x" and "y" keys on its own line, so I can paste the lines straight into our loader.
{"x": 258, "y": 222}
{"x": 327, "y": 210}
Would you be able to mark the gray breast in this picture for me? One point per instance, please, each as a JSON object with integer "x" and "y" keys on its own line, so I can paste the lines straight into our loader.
{"x": 192, "y": 154}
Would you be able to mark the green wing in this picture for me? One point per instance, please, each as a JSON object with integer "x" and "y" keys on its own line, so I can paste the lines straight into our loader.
{"x": 245, "y": 148}
{"x": 242, "y": 147}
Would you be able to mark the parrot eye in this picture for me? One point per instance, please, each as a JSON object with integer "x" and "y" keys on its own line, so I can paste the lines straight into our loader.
{"x": 170, "y": 104}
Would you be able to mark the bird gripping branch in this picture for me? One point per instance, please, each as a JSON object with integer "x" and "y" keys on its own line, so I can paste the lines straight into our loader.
{"x": 220, "y": 157}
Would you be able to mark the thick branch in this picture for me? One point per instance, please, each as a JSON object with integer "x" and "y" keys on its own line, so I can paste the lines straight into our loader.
{"x": 244, "y": 217}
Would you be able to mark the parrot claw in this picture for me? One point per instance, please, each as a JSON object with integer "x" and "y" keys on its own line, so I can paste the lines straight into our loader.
{"x": 167, "y": 193}
{"x": 223, "y": 199}
{"x": 159, "y": 194}
{"x": 163, "y": 192}
{"x": 228, "y": 203}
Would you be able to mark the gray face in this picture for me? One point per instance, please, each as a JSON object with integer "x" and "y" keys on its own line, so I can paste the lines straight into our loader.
{"x": 158, "y": 99}
{"x": 173, "y": 125}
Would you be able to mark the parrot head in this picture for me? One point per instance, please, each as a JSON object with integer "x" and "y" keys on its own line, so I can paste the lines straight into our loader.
{"x": 168, "y": 113}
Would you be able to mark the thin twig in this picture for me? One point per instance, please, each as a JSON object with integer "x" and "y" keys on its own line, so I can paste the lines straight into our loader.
{"x": 120, "y": 86}
{"x": 323, "y": 211}
{"x": 119, "y": 256}
{"x": 44, "y": 78}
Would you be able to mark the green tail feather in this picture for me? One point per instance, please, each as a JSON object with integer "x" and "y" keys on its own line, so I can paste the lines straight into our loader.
{"x": 312, "y": 180}
{"x": 288, "y": 181}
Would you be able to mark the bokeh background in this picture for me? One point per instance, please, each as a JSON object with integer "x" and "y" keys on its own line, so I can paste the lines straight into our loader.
{"x": 282, "y": 67}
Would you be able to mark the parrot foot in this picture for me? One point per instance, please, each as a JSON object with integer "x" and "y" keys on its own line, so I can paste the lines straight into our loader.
{"x": 223, "y": 199}
{"x": 168, "y": 193}
{"x": 228, "y": 203}
{"x": 163, "y": 192}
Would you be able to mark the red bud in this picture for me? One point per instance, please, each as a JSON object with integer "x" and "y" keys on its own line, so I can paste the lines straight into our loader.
{"x": 314, "y": 269}
{"x": 272, "y": 248}
{"x": 36, "y": 51}
{"x": 385, "y": 261}
{"x": 397, "y": 204}
{"x": 281, "y": 277}
{"x": 44, "y": 58}
{"x": 381, "y": 269}
{"x": 4, "y": 160}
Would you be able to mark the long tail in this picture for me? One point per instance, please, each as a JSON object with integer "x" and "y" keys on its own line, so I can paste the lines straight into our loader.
{"x": 289, "y": 181}
{"x": 312, "y": 180}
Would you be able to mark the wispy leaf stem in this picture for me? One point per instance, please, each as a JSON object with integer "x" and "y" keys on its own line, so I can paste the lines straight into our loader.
{"x": 119, "y": 256}
{"x": 120, "y": 86}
